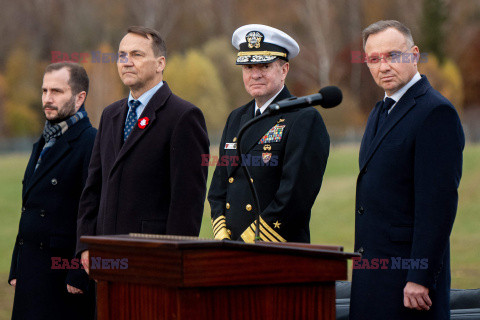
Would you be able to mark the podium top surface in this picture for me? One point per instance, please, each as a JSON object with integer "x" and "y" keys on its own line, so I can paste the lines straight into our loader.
{"x": 186, "y": 243}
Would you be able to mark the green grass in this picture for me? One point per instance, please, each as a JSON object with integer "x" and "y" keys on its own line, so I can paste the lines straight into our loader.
{"x": 11, "y": 174}
{"x": 332, "y": 215}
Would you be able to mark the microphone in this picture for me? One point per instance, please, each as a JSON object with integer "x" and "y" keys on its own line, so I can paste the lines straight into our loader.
{"x": 327, "y": 97}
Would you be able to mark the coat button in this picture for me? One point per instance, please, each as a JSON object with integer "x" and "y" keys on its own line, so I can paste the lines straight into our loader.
{"x": 249, "y": 207}
{"x": 42, "y": 213}
{"x": 361, "y": 250}
{"x": 227, "y": 205}
{"x": 230, "y": 179}
{"x": 41, "y": 245}
{"x": 23, "y": 209}
{"x": 360, "y": 210}
{"x": 20, "y": 242}
{"x": 54, "y": 181}
{"x": 251, "y": 179}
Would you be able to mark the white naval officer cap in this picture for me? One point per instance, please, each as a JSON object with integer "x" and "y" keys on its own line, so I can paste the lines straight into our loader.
{"x": 258, "y": 43}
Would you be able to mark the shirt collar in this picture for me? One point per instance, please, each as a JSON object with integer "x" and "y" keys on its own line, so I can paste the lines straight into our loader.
{"x": 398, "y": 95}
{"x": 145, "y": 98}
{"x": 266, "y": 104}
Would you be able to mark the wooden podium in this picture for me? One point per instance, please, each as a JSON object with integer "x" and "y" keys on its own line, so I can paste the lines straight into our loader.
{"x": 183, "y": 278}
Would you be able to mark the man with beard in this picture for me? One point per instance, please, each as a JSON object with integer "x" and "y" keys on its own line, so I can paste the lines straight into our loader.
{"x": 286, "y": 153}
{"x": 49, "y": 283}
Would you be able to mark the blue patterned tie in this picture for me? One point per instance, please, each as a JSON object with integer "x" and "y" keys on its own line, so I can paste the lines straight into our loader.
{"x": 131, "y": 118}
{"x": 386, "y": 105}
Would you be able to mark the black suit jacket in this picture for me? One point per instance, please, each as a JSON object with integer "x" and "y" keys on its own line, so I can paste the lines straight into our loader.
{"x": 152, "y": 183}
{"x": 47, "y": 230}
{"x": 287, "y": 173}
{"x": 406, "y": 204}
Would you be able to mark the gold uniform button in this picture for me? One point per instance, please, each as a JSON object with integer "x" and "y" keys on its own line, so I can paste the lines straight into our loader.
{"x": 227, "y": 205}
{"x": 249, "y": 207}
{"x": 230, "y": 179}
{"x": 251, "y": 179}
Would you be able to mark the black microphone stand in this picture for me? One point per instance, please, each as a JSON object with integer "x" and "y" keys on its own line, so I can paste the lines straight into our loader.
{"x": 335, "y": 97}
{"x": 242, "y": 130}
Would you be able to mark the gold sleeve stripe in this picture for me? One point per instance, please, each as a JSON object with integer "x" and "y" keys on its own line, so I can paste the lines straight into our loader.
{"x": 219, "y": 219}
{"x": 265, "y": 236}
{"x": 271, "y": 231}
{"x": 222, "y": 234}
{"x": 219, "y": 226}
{"x": 248, "y": 235}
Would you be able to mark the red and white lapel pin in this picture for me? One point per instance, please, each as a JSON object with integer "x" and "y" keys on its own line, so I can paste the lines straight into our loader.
{"x": 143, "y": 122}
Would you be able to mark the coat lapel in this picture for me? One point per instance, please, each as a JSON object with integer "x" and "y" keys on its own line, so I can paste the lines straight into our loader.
{"x": 248, "y": 115}
{"x": 259, "y": 129}
{"x": 156, "y": 103}
{"x": 30, "y": 167}
{"x": 55, "y": 154}
{"x": 406, "y": 103}
{"x": 118, "y": 122}
{"x": 253, "y": 134}
{"x": 51, "y": 158}
{"x": 369, "y": 133}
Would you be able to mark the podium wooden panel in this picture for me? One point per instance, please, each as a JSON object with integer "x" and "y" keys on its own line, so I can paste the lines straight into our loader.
{"x": 186, "y": 278}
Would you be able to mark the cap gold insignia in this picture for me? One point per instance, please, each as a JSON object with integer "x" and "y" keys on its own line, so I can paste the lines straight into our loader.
{"x": 280, "y": 120}
{"x": 267, "y": 147}
{"x": 254, "y": 39}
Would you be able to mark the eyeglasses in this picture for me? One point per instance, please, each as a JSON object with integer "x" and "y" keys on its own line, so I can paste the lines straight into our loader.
{"x": 394, "y": 56}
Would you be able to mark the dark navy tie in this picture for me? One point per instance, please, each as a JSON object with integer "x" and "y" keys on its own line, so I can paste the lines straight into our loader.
{"x": 257, "y": 113}
{"x": 386, "y": 105}
{"x": 131, "y": 118}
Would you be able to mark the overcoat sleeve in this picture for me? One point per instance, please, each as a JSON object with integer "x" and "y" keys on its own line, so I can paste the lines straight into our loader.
{"x": 217, "y": 193}
{"x": 13, "y": 265}
{"x": 90, "y": 199}
{"x": 188, "y": 175}
{"x": 78, "y": 278}
{"x": 438, "y": 169}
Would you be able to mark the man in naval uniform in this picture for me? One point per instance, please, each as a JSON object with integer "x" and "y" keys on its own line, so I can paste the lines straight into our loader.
{"x": 286, "y": 153}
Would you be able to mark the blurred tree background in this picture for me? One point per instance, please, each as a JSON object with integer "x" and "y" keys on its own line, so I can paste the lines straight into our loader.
{"x": 200, "y": 61}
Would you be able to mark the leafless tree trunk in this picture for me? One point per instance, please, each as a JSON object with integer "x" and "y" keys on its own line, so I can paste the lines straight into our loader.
{"x": 315, "y": 14}
{"x": 159, "y": 14}
{"x": 354, "y": 28}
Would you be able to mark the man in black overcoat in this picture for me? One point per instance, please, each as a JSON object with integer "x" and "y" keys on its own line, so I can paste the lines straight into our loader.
{"x": 286, "y": 153}
{"x": 146, "y": 173}
{"x": 410, "y": 170}
{"x": 49, "y": 282}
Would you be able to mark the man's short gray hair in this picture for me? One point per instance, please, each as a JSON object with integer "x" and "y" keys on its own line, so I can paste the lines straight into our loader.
{"x": 382, "y": 25}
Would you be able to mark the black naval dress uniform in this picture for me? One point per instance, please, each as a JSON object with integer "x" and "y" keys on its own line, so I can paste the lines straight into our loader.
{"x": 287, "y": 155}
